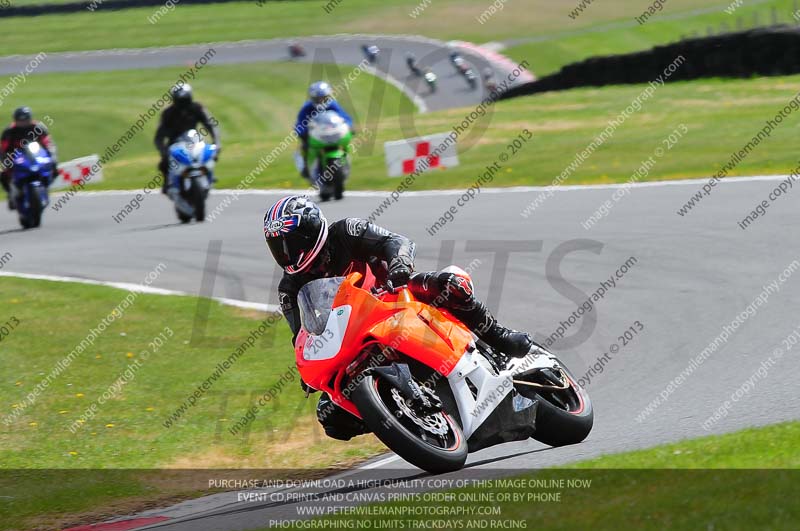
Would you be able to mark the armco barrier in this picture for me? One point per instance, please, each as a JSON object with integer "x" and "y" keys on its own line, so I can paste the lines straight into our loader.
{"x": 768, "y": 51}
{"x": 98, "y": 5}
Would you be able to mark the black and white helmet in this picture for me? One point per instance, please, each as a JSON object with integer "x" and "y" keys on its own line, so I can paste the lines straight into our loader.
{"x": 181, "y": 93}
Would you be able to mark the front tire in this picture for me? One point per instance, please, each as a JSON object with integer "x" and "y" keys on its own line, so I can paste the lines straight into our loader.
{"x": 338, "y": 184}
{"x": 36, "y": 206}
{"x": 383, "y": 415}
{"x": 33, "y": 217}
{"x": 199, "y": 202}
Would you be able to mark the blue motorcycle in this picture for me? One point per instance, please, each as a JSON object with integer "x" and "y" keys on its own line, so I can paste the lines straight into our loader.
{"x": 31, "y": 174}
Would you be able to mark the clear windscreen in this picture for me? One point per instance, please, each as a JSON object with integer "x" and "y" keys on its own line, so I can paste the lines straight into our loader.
{"x": 315, "y": 301}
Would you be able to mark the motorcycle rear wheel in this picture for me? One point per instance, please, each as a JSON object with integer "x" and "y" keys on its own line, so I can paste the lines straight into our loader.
{"x": 391, "y": 423}
{"x": 563, "y": 417}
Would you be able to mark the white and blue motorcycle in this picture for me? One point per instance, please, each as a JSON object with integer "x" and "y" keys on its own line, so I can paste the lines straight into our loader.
{"x": 191, "y": 175}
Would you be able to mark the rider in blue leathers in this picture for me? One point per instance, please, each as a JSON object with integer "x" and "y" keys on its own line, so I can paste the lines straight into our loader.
{"x": 320, "y": 99}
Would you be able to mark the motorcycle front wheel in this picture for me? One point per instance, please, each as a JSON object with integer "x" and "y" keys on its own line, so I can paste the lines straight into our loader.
{"x": 198, "y": 200}
{"x": 434, "y": 443}
{"x": 33, "y": 218}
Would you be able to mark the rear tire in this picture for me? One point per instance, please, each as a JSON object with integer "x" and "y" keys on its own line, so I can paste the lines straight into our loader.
{"x": 370, "y": 398}
{"x": 557, "y": 426}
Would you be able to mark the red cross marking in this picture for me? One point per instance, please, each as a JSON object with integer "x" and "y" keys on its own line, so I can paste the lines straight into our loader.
{"x": 423, "y": 150}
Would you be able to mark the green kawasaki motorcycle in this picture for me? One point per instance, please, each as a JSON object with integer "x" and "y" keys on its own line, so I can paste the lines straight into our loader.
{"x": 328, "y": 158}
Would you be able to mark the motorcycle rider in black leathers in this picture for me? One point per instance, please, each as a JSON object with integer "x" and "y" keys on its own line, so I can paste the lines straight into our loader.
{"x": 183, "y": 115}
{"x": 307, "y": 248}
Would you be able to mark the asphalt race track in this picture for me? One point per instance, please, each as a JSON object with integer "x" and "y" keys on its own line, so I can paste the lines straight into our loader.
{"x": 691, "y": 276}
{"x": 452, "y": 90}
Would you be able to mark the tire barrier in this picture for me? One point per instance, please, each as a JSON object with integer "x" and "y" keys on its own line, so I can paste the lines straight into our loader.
{"x": 93, "y": 6}
{"x": 770, "y": 51}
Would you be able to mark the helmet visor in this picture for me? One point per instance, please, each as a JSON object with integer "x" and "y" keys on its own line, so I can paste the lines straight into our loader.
{"x": 289, "y": 249}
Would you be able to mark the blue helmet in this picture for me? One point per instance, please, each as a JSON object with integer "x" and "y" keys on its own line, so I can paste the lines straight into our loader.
{"x": 319, "y": 92}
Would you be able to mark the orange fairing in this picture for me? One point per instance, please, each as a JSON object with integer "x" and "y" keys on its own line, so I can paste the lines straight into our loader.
{"x": 410, "y": 327}
{"x": 425, "y": 334}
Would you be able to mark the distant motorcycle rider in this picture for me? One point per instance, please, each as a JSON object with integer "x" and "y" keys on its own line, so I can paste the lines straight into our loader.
{"x": 23, "y": 130}
{"x": 307, "y": 248}
{"x": 183, "y": 115}
{"x": 320, "y": 99}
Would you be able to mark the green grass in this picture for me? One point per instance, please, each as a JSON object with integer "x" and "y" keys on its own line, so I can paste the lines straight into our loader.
{"x": 246, "y": 20}
{"x": 772, "y": 446}
{"x": 625, "y": 35}
{"x": 743, "y": 480}
{"x": 235, "y": 21}
{"x": 256, "y": 107}
{"x": 602, "y": 28}
{"x": 127, "y": 431}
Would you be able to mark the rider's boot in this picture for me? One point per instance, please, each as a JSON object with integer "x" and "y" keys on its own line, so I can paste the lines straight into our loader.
{"x": 481, "y": 321}
{"x": 170, "y": 188}
{"x": 338, "y": 423}
{"x": 163, "y": 169}
{"x": 5, "y": 181}
{"x": 173, "y": 193}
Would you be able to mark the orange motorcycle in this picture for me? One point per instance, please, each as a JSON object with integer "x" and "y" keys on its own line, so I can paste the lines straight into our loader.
{"x": 422, "y": 382}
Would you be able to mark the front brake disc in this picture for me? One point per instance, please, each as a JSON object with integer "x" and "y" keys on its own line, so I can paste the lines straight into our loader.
{"x": 435, "y": 424}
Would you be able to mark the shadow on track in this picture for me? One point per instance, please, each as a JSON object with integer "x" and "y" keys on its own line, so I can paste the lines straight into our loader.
{"x": 13, "y": 231}
{"x": 159, "y": 227}
{"x": 502, "y": 457}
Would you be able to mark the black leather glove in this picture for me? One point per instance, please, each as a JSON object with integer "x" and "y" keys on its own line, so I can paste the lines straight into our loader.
{"x": 400, "y": 270}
